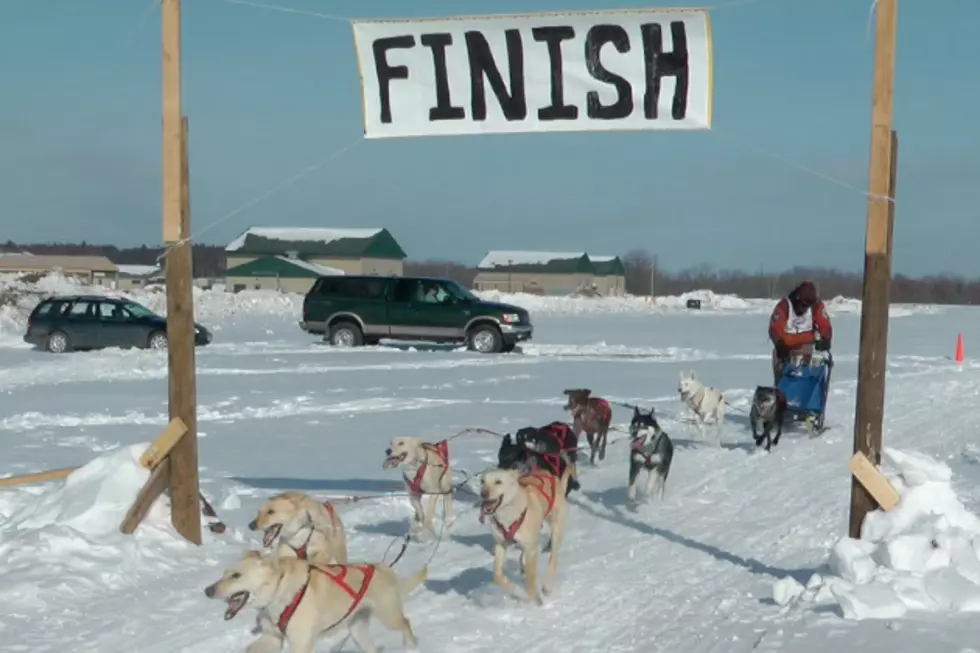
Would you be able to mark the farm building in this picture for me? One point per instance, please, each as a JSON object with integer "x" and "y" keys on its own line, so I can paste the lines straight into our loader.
{"x": 132, "y": 277}
{"x": 539, "y": 273}
{"x": 280, "y": 273}
{"x": 349, "y": 251}
{"x": 96, "y": 270}
{"x": 610, "y": 275}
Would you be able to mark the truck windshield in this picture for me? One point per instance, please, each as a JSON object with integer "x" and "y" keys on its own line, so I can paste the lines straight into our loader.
{"x": 460, "y": 292}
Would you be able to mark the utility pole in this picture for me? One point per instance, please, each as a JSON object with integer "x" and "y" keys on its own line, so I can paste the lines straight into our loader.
{"x": 184, "y": 482}
{"x": 869, "y": 412}
{"x": 653, "y": 277}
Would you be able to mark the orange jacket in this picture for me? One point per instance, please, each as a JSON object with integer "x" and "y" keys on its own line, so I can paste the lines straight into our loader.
{"x": 780, "y": 317}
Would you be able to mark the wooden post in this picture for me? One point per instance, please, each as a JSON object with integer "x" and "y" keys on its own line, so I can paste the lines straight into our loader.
{"x": 183, "y": 472}
{"x": 869, "y": 412}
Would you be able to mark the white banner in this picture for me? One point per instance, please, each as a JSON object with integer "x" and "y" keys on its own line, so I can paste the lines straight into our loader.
{"x": 588, "y": 71}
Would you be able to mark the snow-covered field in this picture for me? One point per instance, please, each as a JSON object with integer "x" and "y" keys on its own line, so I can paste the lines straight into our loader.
{"x": 703, "y": 572}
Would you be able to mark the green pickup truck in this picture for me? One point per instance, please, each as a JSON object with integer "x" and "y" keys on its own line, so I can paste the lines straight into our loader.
{"x": 350, "y": 311}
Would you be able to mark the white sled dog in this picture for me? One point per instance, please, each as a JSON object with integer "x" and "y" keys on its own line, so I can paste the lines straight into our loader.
{"x": 704, "y": 401}
{"x": 298, "y": 601}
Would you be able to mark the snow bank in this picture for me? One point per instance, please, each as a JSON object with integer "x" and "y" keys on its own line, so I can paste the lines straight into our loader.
{"x": 61, "y": 540}
{"x": 570, "y": 305}
{"x": 922, "y": 556}
{"x": 212, "y": 307}
{"x": 846, "y": 306}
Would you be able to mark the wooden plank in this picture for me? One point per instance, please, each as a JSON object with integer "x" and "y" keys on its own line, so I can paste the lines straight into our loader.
{"x": 38, "y": 477}
{"x": 166, "y": 441}
{"x": 870, "y": 408}
{"x": 870, "y": 477}
{"x": 153, "y": 488}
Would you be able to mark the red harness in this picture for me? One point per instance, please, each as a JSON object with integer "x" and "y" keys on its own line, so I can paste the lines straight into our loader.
{"x": 441, "y": 449}
{"x": 301, "y": 552}
{"x": 529, "y": 479}
{"x": 596, "y": 414}
{"x": 340, "y": 579}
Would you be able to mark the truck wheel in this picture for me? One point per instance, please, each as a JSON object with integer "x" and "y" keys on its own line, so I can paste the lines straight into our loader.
{"x": 485, "y": 339}
{"x": 346, "y": 334}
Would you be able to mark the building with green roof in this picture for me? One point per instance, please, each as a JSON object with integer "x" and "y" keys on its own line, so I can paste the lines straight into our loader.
{"x": 350, "y": 251}
{"x": 548, "y": 273}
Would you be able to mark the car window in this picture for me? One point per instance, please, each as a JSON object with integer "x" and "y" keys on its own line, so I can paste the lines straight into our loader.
{"x": 42, "y": 309}
{"x": 351, "y": 288}
{"x": 111, "y": 312}
{"x": 406, "y": 290}
{"x": 82, "y": 309}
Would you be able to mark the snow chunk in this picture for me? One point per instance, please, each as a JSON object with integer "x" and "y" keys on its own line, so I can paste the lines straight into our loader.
{"x": 786, "y": 590}
{"x": 923, "y": 555}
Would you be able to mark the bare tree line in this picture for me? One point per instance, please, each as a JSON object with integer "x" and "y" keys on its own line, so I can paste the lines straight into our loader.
{"x": 641, "y": 271}
{"x": 209, "y": 260}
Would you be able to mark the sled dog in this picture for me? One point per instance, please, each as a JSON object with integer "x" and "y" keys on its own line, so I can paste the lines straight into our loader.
{"x": 768, "y": 409}
{"x": 301, "y": 527}
{"x": 592, "y": 416}
{"x": 518, "y": 506}
{"x": 298, "y": 601}
{"x": 427, "y": 472}
{"x": 651, "y": 450}
{"x": 704, "y": 401}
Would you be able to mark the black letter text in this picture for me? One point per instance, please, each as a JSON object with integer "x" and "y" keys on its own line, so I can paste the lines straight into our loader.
{"x": 553, "y": 36}
{"x": 597, "y": 37}
{"x": 444, "y": 109}
{"x": 660, "y": 64}
{"x": 388, "y": 73}
{"x": 514, "y": 103}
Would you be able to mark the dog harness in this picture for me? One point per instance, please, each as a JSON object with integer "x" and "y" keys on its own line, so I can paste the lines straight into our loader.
{"x": 441, "y": 449}
{"x": 558, "y": 432}
{"x": 648, "y": 457}
{"x": 598, "y": 412}
{"x": 301, "y": 552}
{"x": 536, "y": 480}
{"x": 340, "y": 578}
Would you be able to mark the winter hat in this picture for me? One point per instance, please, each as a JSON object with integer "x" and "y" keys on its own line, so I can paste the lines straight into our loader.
{"x": 806, "y": 294}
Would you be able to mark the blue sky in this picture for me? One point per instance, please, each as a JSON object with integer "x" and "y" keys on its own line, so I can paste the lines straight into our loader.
{"x": 269, "y": 93}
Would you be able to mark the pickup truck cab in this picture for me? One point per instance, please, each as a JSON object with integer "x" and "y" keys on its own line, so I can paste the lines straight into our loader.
{"x": 350, "y": 311}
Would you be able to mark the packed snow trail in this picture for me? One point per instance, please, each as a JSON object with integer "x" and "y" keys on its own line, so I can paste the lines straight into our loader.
{"x": 694, "y": 573}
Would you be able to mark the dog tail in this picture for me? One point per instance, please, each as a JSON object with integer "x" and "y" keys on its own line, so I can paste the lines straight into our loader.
{"x": 408, "y": 584}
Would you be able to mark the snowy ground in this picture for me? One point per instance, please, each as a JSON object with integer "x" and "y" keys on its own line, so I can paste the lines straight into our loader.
{"x": 278, "y": 411}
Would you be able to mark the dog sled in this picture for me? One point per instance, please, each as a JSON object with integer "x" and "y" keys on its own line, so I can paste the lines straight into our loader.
{"x": 805, "y": 387}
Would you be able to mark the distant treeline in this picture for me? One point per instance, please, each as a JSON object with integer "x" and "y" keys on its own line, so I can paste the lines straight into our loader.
{"x": 209, "y": 261}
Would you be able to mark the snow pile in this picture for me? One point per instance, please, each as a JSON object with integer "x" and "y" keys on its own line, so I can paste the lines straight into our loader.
{"x": 921, "y": 556}
{"x": 840, "y": 305}
{"x": 18, "y": 298}
{"x": 61, "y": 540}
{"x": 572, "y": 305}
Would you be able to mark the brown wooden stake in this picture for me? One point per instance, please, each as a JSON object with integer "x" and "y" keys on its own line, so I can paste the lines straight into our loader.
{"x": 153, "y": 488}
{"x": 870, "y": 408}
{"x": 184, "y": 482}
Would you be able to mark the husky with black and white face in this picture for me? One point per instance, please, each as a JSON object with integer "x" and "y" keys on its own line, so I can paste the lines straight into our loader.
{"x": 651, "y": 450}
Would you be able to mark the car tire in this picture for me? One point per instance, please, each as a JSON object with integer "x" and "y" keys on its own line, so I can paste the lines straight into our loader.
{"x": 57, "y": 342}
{"x": 346, "y": 334}
{"x": 157, "y": 340}
{"x": 485, "y": 339}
